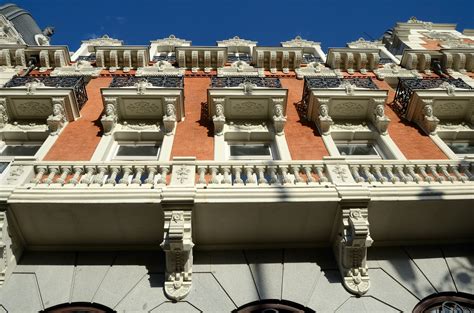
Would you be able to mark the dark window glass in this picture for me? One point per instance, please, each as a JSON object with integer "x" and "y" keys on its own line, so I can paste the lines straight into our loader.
{"x": 19, "y": 150}
{"x": 3, "y": 166}
{"x": 357, "y": 149}
{"x": 138, "y": 150}
{"x": 250, "y": 150}
{"x": 462, "y": 147}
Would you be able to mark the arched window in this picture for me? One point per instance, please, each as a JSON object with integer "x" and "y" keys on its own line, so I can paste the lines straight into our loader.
{"x": 273, "y": 306}
{"x": 444, "y": 302}
{"x": 78, "y": 307}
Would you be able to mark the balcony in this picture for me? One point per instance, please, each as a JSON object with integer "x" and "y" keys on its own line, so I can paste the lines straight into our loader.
{"x": 224, "y": 82}
{"x": 429, "y": 102}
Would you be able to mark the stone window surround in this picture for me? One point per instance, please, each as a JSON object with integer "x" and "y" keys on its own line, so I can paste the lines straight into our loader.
{"x": 441, "y": 137}
{"x": 117, "y": 143}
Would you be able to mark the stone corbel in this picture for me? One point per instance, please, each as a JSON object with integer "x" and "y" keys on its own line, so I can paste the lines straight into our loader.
{"x": 425, "y": 63}
{"x": 459, "y": 62}
{"x": 279, "y": 120}
{"x": 109, "y": 119}
{"x": 194, "y": 61}
{"x": 361, "y": 61}
{"x": 448, "y": 62}
{"x": 114, "y": 61}
{"x": 350, "y": 248}
{"x": 349, "y": 62}
{"x": 428, "y": 121}
{"x": 182, "y": 59}
{"x": 207, "y": 61}
{"x": 141, "y": 60}
{"x": 44, "y": 60}
{"x": 127, "y": 60}
{"x": 99, "y": 58}
{"x": 260, "y": 59}
{"x": 178, "y": 247}
{"x": 3, "y": 112}
{"x": 220, "y": 59}
{"x": 20, "y": 57}
{"x": 324, "y": 121}
{"x": 59, "y": 60}
{"x": 379, "y": 118}
{"x": 219, "y": 117}
{"x": 273, "y": 60}
{"x": 285, "y": 62}
{"x": 373, "y": 60}
{"x": 169, "y": 120}
{"x": 57, "y": 120}
{"x": 297, "y": 59}
{"x": 412, "y": 61}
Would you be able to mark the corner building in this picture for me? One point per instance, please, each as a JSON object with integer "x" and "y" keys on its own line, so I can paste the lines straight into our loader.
{"x": 170, "y": 177}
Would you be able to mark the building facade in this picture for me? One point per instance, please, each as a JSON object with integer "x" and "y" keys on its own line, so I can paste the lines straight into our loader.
{"x": 170, "y": 177}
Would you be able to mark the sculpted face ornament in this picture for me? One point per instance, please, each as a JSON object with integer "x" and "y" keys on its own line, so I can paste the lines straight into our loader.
{"x": 142, "y": 85}
{"x": 323, "y": 110}
{"x": 380, "y": 111}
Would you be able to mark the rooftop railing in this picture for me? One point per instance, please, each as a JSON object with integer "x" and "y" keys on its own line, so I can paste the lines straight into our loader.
{"x": 155, "y": 81}
{"x": 267, "y": 82}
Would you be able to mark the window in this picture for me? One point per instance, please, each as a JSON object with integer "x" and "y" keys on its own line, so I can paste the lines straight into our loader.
{"x": 461, "y": 148}
{"x": 137, "y": 151}
{"x": 20, "y": 150}
{"x": 366, "y": 150}
{"x": 446, "y": 302}
{"x": 250, "y": 151}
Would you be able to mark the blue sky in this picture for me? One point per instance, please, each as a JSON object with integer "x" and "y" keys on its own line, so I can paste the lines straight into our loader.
{"x": 333, "y": 23}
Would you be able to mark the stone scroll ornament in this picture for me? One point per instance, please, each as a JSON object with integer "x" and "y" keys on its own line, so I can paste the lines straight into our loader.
{"x": 350, "y": 248}
{"x": 178, "y": 247}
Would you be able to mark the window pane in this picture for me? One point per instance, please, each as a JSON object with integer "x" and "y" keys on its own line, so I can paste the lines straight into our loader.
{"x": 250, "y": 150}
{"x": 3, "y": 166}
{"x": 462, "y": 147}
{"x": 357, "y": 149}
{"x": 20, "y": 150}
{"x": 137, "y": 151}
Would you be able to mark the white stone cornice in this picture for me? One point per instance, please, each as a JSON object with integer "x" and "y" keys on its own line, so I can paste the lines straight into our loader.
{"x": 160, "y": 68}
{"x": 299, "y": 42}
{"x": 236, "y": 41}
{"x": 361, "y": 43}
{"x": 171, "y": 41}
{"x": 105, "y": 40}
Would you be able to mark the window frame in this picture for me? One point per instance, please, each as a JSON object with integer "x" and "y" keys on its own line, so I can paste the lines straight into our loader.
{"x": 379, "y": 154}
{"x": 459, "y": 155}
{"x": 273, "y": 155}
{"x": 117, "y": 144}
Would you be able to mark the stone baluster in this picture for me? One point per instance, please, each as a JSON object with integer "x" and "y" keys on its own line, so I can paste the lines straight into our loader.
{"x": 127, "y": 170}
{"x": 53, "y": 170}
{"x": 78, "y": 170}
{"x": 152, "y": 170}
{"x": 137, "y": 179}
{"x": 295, "y": 170}
{"x": 434, "y": 171}
{"x": 237, "y": 173}
{"x": 411, "y": 170}
{"x": 214, "y": 171}
{"x": 320, "y": 172}
{"x": 227, "y": 177}
{"x": 261, "y": 175}
{"x": 422, "y": 170}
{"x": 40, "y": 171}
{"x": 249, "y": 173}
{"x": 284, "y": 174}
{"x": 444, "y": 170}
{"x": 164, "y": 174}
{"x": 355, "y": 173}
{"x": 389, "y": 170}
{"x": 65, "y": 172}
{"x": 273, "y": 175}
{"x": 114, "y": 170}
{"x": 87, "y": 178}
{"x": 459, "y": 176}
{"x": 99, "y": 178}
{"x": 309, "y": 176}
{"x": 401, "y": 173}
{"x": 378, "y": 172}
{"x": 467, "y": 172}
{"x": 202, "y": 174}
{"x": 366, "y": 170}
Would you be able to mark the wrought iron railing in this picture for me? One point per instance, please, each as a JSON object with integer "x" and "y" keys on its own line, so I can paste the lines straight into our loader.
{"x": 221, "y": 82}
{"x": 155, "y": 81}
{"x": 308, "y": 58}
{"x": 406, "y": 87}
{"x": 169, "y": 58}
{"x": 385, "y": 61}
{"x": 328, "y": 82}
{"x": 77, "y": 83}
{"x": 241, "y": 57}
{"x": 91, "y": 57}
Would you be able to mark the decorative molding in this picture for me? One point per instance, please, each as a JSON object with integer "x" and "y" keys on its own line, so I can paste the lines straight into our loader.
{"x": 350, "y": 247}
{"x": 141, "y": 125}
{"x": 248, "y": 108}
{"x": 237, "y": 126}
{"x": 393, "y": 70}
{"x": 298, "y": 42}
{"x": 160, "y": 68}
{"x": 236, "y": 41}
{"x": 178, "y": 247}
{"x": 361, "y": 43}
{"x": 80, "y": 68}
{"x": 240, "y": 69}
{"x": 172, "y": 41}
{"x": 105, "y": 40}
{"x": 8, "y": 33}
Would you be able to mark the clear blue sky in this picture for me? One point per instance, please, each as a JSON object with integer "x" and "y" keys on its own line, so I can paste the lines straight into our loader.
{"x": 333, "y": 23}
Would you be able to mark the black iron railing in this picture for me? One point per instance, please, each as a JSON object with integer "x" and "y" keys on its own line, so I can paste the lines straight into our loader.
{"x": 241, "y": 57}
{"x": 328, "y": 82}
{"x": 308, "y": 58}
{"x": 406, "y": 88}
{"x": 91, "y": 57}
{"x": 169, "y": 58}
{"x": 385, "y": 61}
{"x": 221, "y": 82}
{"x": 164, "y": 81}
{"x": 77, "y": 83}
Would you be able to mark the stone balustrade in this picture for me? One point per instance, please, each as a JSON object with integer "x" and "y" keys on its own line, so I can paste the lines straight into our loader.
{"x": 248, "y": 173}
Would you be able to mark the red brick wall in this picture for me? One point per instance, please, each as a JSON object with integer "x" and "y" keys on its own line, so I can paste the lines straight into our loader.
{"x": 304, "y": 140}
{"x": 194, "y": 137}
{"x": 78, "y": 141}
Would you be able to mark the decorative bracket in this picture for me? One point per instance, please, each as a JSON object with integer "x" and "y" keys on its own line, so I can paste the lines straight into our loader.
{"x": 178, "y": 247}
{"x": 428, "y": 121}
{"x": 169, "y": 120}
{"x": 109, "y": 119}
{"x": 350, "y": 247}
{"x": 379, "y": 118}
{"x": 219, "y": 117}
{"x": 57, "y": 120}
{"x": 279, "y": 120}
{"x": 324, "y": 121}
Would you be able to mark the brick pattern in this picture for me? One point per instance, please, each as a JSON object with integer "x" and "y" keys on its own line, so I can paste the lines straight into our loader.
{"x": 409, "y": 138}
{"x": 194, "y": 136}
{"x": 78, "y": 141}
{"x": 303, "y": 138}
